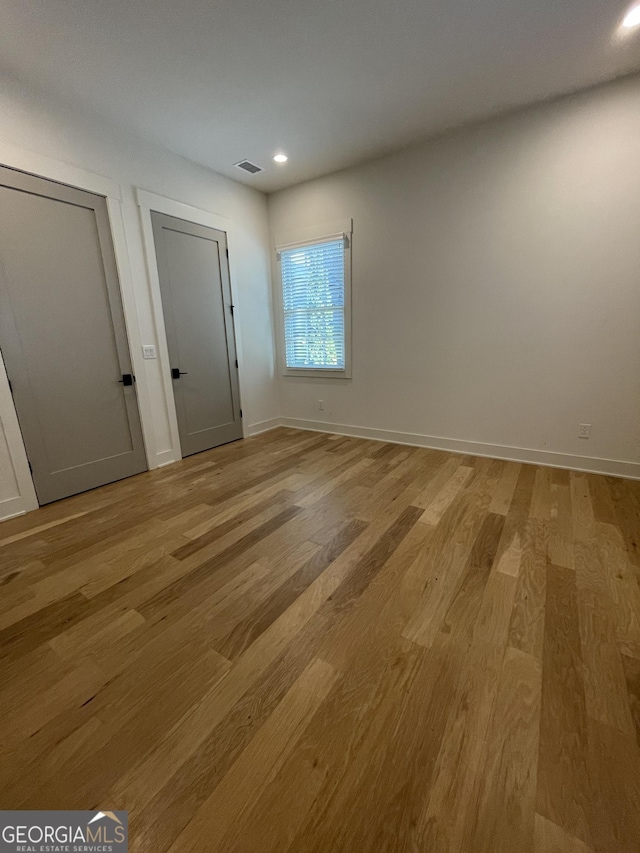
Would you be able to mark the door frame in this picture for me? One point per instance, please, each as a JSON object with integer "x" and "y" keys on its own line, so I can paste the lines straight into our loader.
{"x": 148, "y": 202}
{"x": 64, "y": 173}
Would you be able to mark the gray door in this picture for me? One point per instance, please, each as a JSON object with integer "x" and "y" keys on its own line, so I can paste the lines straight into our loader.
{"x": 63, "y": 338}
{"x": 198, "y": 316}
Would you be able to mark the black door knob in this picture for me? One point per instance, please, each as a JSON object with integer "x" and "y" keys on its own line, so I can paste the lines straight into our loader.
{"x": 176, "y": 373}
{"x": 127, "y": 379}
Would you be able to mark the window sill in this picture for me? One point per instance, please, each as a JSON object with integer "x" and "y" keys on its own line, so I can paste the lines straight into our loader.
{"x": 319, "y": 373}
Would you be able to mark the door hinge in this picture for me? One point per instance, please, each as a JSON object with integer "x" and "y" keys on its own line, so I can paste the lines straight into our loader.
{"x": 231, "y": 307}
{"x": 240, "y": 412}
{"x": 30, "y": 468}
{"x": 236, "y": 362}
{"x": 10, "y": 385}
{"x": 227, "y": 251}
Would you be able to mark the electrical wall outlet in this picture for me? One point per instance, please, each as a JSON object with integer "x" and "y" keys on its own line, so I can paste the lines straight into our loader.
{"x": 321, "y": 405}
{"x": 584, "y": 431}
{"x": 148, "y": 351}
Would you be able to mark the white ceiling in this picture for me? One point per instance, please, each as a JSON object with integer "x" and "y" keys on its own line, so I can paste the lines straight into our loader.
{"x": 329, "y": 82}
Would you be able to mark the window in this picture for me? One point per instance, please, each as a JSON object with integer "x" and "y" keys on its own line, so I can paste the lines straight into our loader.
{"x": 315, "y": 301}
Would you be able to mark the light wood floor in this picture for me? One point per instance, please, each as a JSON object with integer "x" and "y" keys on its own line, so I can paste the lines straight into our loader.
{"x": 305, "y": 642}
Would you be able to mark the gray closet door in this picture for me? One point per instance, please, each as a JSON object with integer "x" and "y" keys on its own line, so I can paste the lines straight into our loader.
{"x": 63, "y": 338}
{"x": 196, "y": 303}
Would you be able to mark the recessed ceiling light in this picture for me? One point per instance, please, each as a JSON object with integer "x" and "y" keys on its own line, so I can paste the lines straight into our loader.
{"x": 632, "y": 18}
{"x": 281, "y": 158}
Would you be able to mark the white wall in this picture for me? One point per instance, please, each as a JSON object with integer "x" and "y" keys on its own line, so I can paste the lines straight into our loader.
{"x": 496, "y": 287}
{"x": 31, "y": 123}
{"x": 496, "y": 279}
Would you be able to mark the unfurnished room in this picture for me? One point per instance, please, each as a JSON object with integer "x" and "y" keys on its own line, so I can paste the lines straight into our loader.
{"x": 319, "y": 426}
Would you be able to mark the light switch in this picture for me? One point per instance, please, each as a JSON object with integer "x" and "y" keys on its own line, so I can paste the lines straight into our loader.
{"x": 148, "y": 352}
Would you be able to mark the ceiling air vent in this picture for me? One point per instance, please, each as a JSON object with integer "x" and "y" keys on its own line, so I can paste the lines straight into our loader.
{"x": 248, "y": 166}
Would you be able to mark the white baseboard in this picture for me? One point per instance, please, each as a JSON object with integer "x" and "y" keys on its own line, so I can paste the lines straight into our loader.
{"x": 164, "y": 457}
{"x": 13, "y": 507}
{"x": 19, "y": 505}
{"x": 589, "y": 464}
{"x": 262, "y": 426}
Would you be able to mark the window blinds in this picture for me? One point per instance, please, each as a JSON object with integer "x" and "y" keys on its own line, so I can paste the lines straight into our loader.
{"x": 313, "y": 297}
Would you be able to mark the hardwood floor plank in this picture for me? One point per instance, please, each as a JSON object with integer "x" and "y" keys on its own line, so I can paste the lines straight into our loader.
{"x": 447, "y": 495}
{"x": 20, "y": 721}
{"x": 302, "y": 642}
{"x": 17, "y": 537}
{"x": 564, "y": 795}
{"x": 605, "y": 689}
{"x": 501, "y": 818}
{"x": 257, "y": 764}
{"x": 456, "y": 776}
{"x": 603, "y": 508}
{"x": 581, "y": 508}
{"x": 27, "y": 633}
{"x": 467, "y": 599}
{"x": 510, "y": 549}
{"x": 246, "y": 631}
{"x": 196, "y": 543}
{"x": 631, "y": 668}
{"x": 136, "y": 708}
{"x": 550, "y": 838}
{"x": 626, "y": 503}
{"x": 450, "y": 548}
{"x": 442, "y": 476}
{"x": 330, "y": 484}
{"x": 541, "y": 498}
{"x": 371, "y": 562}
{"x": 561, "y": 528}
{"x": 375, "y": 793}
{"x": 526, "y": 631}
{"x": 624, "y": 585}
{"x": 614, "y": 759}
{"x": 189, "y": 735}
{"x": 503, "y": 496}
{"x": 203, "y": 570}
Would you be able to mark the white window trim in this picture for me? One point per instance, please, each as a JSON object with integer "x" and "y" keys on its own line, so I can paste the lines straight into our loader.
{"x": 306, "y": 237}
